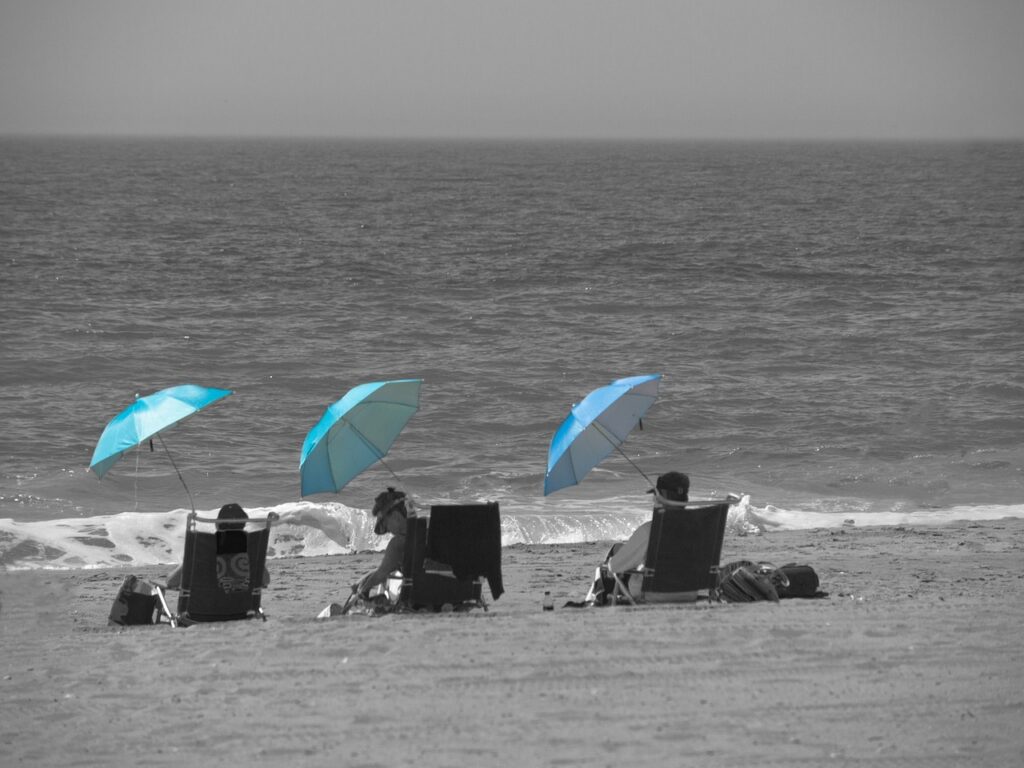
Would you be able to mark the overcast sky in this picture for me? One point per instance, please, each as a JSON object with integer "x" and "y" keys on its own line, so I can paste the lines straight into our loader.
{"x": 943, "y": 69}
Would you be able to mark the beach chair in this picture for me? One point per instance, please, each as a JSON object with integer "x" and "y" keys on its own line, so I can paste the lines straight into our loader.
{"x": 223, "y": 570}
{"x": 449, "y": 554}
{"x": 683, "y": 553}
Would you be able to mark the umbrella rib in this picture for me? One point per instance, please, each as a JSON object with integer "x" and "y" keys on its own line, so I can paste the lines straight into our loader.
{"x": 366, "y": 441}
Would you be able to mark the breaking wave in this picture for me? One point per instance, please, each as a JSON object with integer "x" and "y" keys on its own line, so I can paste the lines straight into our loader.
{"x": 308, "y": 529}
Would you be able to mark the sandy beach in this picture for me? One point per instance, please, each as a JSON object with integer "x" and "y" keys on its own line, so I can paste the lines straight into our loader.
{"x": 915, "y": 658}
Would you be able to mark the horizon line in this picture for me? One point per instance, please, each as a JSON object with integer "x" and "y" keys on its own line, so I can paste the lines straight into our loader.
{"x": 551, "y": 138}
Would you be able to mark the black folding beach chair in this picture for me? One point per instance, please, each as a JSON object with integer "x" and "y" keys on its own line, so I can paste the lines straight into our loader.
{"x": 223, "y": 570}
{"x": 449, "y": 554}
{"x": 683, "y": 554}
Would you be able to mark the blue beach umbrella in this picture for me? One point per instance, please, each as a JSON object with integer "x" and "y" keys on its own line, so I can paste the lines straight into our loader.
{"x": 597, "y": 426}
{"x": 147, "y": 417}
{"x": 356, "y": 432}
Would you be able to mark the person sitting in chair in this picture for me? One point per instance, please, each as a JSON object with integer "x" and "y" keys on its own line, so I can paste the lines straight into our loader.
{"x": 231, "y": 539}
{"x": 628, "y": 555}
{"x": 390, "y": 514}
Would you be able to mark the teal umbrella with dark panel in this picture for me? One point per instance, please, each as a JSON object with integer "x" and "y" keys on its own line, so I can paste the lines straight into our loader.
{"x": 355, "y": 433}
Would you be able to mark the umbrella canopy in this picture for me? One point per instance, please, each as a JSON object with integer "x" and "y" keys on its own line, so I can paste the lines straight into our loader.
{"x": 356, "y": 432}
{"x": 596, "y": 427}
{"x": 148, "y": 416}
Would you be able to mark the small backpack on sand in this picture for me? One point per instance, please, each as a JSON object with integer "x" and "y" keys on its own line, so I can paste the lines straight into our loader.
{"x": 746, "y": 582}
{"x": 136, "y": 603}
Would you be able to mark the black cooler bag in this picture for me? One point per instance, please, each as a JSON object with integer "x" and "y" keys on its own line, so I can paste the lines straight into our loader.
{"x": 803, "y": 581}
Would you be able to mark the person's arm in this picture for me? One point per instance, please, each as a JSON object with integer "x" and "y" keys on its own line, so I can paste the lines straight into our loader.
{"x": 632, "y": 553}
{"x": 394, "y": 554}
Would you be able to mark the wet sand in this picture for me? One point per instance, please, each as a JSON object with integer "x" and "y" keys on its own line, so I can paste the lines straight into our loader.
{"x": 914, "y": 658}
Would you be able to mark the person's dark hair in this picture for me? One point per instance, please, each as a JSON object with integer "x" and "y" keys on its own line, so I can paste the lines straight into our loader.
{"x": 232, "y": 512}
{"x": 231, "y": 537}
{"x": 384, "y": 503}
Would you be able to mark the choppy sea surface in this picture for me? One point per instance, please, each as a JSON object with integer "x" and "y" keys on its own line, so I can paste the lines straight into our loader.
{"x": 838, "y": 327}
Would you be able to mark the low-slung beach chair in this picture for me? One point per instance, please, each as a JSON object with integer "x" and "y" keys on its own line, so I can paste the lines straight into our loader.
{"x": 223, "y": 569}
{"x": 683, "y": 553}
{"x": 449, "y": 554}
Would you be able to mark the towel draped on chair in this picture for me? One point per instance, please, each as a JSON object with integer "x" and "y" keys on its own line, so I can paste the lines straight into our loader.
{"x": 468, "y": 538}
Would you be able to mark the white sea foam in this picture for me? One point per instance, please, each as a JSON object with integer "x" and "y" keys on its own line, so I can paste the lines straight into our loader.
{"x": 773, "y": 518}
{"x": 308, "y": 529}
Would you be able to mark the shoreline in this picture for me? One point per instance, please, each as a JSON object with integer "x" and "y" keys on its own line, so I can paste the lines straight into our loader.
{"x": 913, "y": 657}
{"x": 155, "y": 571}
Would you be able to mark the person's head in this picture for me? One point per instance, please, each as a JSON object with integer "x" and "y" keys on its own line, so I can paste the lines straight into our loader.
{"x": 231, "y": 536}
{"x": 232, "y": 512}
{"x": 389, "y": 511}
{"x": 674, "y": 486}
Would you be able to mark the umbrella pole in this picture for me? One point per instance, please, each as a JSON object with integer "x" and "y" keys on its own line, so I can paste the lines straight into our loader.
{"x": 411, "y": 502}
{"x": 397, "y": 478}
{"x": 190, "y": 501}
{"x": 618, "y": 448}
{"x": 634, "y": 465}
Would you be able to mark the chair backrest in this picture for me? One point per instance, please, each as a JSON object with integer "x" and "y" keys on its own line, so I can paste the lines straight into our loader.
{"x": 464, "y": 537}
{"x": 218, "y": 582}
{"x": 685, "y": 548}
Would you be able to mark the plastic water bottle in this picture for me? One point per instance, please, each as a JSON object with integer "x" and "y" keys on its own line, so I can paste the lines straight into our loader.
{"x": 548, "y": 604}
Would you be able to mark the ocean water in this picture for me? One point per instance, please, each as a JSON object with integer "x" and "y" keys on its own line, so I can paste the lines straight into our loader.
{"x": 838, "y": 327}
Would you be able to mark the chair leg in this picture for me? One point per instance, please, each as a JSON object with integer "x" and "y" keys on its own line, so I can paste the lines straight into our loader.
{"x": 164, "y": 610}
{"x": 715, "y": 579}
{"x": 623, "y": 589}
{"x": 591, "y": 594}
